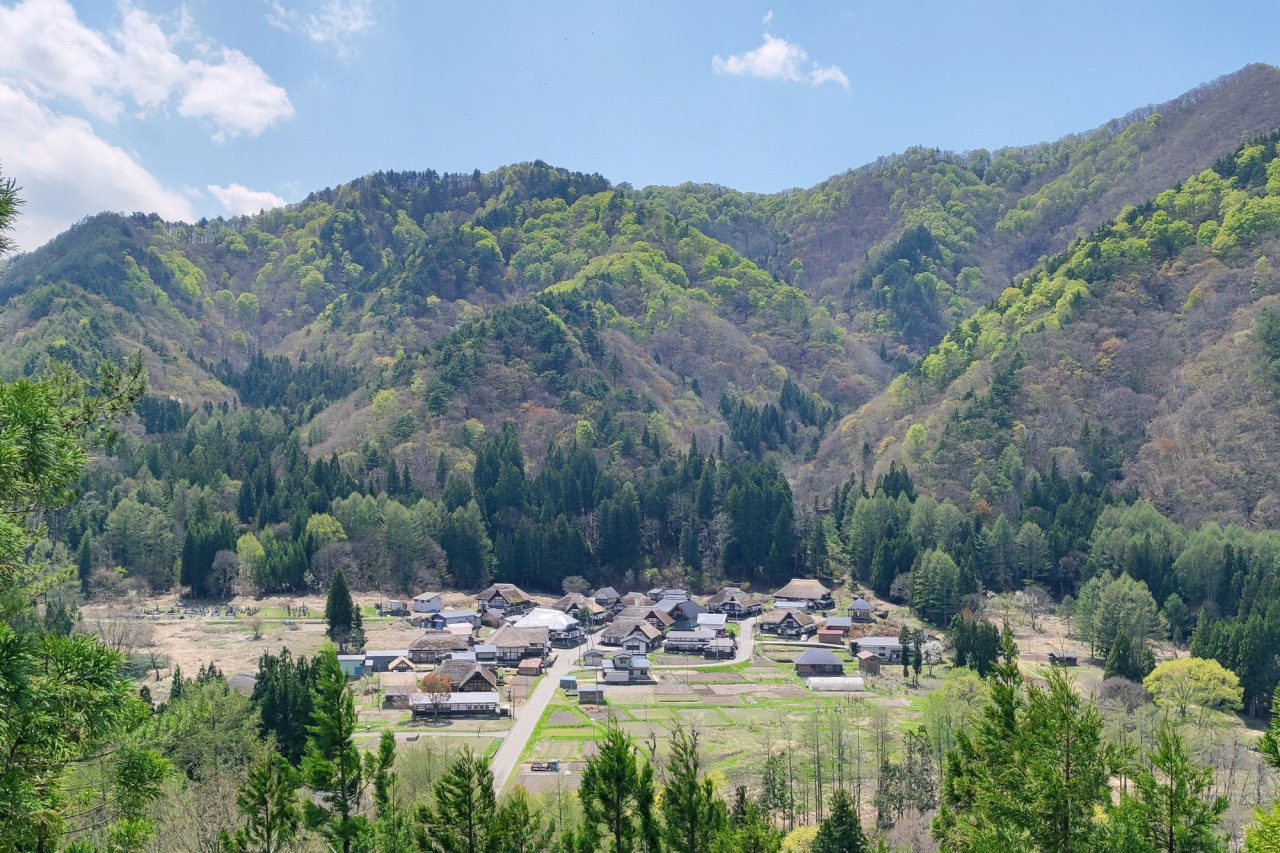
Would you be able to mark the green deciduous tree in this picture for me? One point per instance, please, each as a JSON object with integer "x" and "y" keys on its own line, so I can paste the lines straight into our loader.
{"x": 1194, "y": 682}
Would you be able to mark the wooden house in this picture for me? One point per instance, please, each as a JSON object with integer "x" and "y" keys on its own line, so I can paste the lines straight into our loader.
{"x": 818, "y": 662}
{"x": 804, "y": 593}
{"x": 506, "y": 597}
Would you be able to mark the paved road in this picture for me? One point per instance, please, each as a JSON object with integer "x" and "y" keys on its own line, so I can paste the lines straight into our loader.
{"x": 507, "y": 758}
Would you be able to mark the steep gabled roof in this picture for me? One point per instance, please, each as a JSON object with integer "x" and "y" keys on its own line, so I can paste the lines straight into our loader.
{"x": 803, "y": 589}
{"x": 438, "y": 641}
{"x": 511, "y": 593}
{"x": 645, "y": 613}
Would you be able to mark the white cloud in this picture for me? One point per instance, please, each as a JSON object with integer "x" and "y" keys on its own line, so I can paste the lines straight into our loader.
{"x": 50, "y": 54}
{"x": 779, "y": 59}
{"x": 337, "y": 24}
{"x": 235, "y": 94}
{"x": 67, "y": 171}
{"x": 239, "y": 200}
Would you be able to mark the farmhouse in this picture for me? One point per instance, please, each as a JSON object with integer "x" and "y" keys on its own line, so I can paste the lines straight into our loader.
{"x": 562, "y": 629}
{"x": 720, "y": 647}
{"x": 633, "y": 629}
{"x": 650, "y": 614}
{"x": 683, "y": 612}
{"x": 818, "y": 662}
{"x": 805, "y": 594}
{"x": 380, "y": 660}
{"x": 635, "y": 599}
{"x": 427, "y": 602}
{"x": 734, "y": 603}
{"x": 507, "y": 597}
{"x": 794, "y": 624}
{"x": 579, "y": 607}
{"x": 659, "y": 593}
{"x": 590, "y": 694}
{"x": 626, "y": 668}
{"x": 468, "y": 676}
{"x": 861, "y": 610}
{"x": 435, "y": 646}
{"x": 593, "y": 658}
{"x": 689, "y": 642}
{"x": 606, "y": 597}
{"x": 515, "y": 644}
{"x": 887, "y": 649}
{"x": 454, "y": 704}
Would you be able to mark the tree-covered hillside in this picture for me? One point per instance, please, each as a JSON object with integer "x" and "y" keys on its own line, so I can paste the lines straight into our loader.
{"x": 534, "y": 374}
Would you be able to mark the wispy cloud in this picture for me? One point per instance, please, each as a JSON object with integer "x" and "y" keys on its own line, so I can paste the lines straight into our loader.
{"x": 337, "y": 24}
{"x": 239, "y": 200}
{"x": 779, "y": 59}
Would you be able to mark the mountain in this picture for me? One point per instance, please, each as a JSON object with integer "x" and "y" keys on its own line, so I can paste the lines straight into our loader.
{"x": 535, "y": 373}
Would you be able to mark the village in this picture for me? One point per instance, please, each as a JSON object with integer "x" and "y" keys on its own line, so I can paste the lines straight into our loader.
{"x": 530, "y": 680}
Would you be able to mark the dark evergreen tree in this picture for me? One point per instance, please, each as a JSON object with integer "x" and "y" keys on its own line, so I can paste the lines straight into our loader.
{"x": 340, "y": 612}
{"x": 841, "y": 830}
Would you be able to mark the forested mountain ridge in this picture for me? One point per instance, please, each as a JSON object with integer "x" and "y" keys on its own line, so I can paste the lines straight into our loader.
{"x": 534, "y": 373}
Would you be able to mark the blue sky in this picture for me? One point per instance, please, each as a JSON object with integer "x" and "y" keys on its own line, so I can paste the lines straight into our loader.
{"x": 214, "y": 107}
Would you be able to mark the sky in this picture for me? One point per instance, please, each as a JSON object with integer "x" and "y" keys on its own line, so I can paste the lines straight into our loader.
{"x": 212, "y": 108}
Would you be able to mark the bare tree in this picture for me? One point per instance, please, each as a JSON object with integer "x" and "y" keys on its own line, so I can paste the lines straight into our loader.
{"x": 255, "y": 626}
{"x": 224, "y": 573}
{"x": 121, "y": 633}
{"x": 575, "y": 583}
{"x": 1034, "y": 601}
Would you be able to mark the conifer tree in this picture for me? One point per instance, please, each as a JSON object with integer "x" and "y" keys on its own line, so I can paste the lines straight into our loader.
{"x": 1176, "y": 810}
{"x": 841, "y": 831}
{"x": 331, "y": 765}
{"x": 339, "y": 610}
{"x": 692, "y": 814}
{"x": 462, "y": 818}
{"x": 617, "y": 795}
{"x": 904, "y": 640}
{"x": 269, "y": 802}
